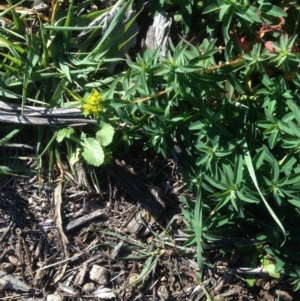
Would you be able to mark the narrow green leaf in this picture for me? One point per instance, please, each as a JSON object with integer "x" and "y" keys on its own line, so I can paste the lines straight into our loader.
{"x": 31, "y": 61}
{"x": 295, "y": 110}
{"x": 247, "y": 198}
{"x": 224, "y": 199}
{"x": 276, "y": 12}
{"x": 67, "y": 34}
{"x": 238, "y": 171}
{"x": 275, "y": 171}
{"x": 291, "y": 42}
{"x": 215, "y": 183}
{"x": 149, "y": 265}
{"x": 15, "y": 170}
{"x": 198, "y": 224}
{"x": 143, "y": 82}
{"x": 214, "y": 7}
{"x": 259, "y": 158}
{"x": 246, "y": 15}
{"x": 103, "y": 46}
{"x": 9, "y": 136}
{"x": 249, "y": 164}
{"x": 292, "y": 179}
{"x": 274, "y": 138}
{"x": 223, "y": 11}
{"x": 285, "y": 127}
{"x": 229, "y": 173}
{"x": 294, "y": 201}
{"x": 18, "y": 23}
{"x": 198, "y": 125}
{"x": 226, "y": 24}
{"x": 64, "y": 67}
{"x": 287, "y": 164}
{"x": 294, "y": 128}
{"x": 268, "y": 155}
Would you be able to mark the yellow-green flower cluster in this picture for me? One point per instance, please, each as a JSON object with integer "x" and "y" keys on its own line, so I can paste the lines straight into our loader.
{"x": 92, "y": 103}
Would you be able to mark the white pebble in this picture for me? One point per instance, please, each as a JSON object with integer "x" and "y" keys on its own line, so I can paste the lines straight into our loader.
{"x": 55, "y": 297}
{"x": 99, "y": 274}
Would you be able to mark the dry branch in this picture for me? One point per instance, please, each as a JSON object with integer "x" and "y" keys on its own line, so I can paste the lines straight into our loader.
{"x": 13, "y": 113}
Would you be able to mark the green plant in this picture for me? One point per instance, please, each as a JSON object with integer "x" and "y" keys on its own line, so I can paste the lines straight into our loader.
{"x": 235, "y": 114}
{"x": 91, "y": 149}
{"x": 228, "y": 118}
{"x": 44, "y": 65}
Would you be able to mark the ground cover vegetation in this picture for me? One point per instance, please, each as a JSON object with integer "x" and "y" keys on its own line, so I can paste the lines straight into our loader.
{"x": 224, "y": 103}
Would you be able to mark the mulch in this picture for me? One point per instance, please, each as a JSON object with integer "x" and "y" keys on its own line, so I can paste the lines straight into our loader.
{"x": 68, "y": 241}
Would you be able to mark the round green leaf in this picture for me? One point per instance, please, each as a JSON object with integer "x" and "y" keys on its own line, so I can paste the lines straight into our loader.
{"x": 105, "y": 135}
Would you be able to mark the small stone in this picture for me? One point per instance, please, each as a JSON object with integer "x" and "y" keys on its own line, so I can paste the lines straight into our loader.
{"x": 163, "y": 292}
{"x": 55, "y": 297}
{"x": 99, "y": 274}
{"x": 131, "y": 285}
{"x": 89, "y": 287}
{"x": 133, "y": 279}
{"x": 219, "y": 298}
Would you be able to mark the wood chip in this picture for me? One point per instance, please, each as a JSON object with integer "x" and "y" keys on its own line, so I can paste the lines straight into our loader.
{"x": 14, "y": 284}
{"x": 86, "y": 219}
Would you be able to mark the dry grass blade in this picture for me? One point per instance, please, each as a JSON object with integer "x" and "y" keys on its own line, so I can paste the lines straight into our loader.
{"x": 61, "y": 235}
{"x": 25, "y": 11}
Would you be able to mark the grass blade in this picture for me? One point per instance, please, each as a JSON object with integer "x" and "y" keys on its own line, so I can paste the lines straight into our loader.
{"x": 249, "y": 164}
{"x": 198, "y": 225}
